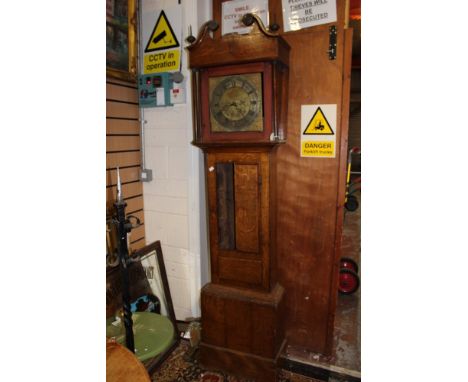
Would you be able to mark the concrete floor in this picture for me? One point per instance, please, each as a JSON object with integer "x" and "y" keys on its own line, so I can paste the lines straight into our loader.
{"x": 347, "y": 336}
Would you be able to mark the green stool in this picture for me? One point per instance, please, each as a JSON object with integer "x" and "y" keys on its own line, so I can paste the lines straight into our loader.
{"x": 153, "y": 333}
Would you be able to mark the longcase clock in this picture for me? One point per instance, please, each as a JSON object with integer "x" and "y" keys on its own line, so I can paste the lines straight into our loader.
{"x": 240, "y": 87}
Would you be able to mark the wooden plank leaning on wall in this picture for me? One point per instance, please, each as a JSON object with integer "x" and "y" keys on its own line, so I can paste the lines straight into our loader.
{"x": 123, "y": 147}
{"x": 310, "y": 191}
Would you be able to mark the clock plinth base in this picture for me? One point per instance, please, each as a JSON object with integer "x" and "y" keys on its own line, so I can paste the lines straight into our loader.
{"x": 242, "y": 330}
{"x": 240, "y": 364}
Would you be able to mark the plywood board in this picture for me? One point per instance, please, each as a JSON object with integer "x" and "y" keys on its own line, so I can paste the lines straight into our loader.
{"x": 134, "y": 204}
{"x": 135, "y": 246}
{"x": 310, "y": 191}
{"x": 121, "y": 93}
{"x": 122, "y": 143}
{"x": 122, "y": 126}
{"x": 123, "y": 150}
{"x": 126, "y": 159}
{"x": 121, "y": 110}
{"x": 137, "y": 233}
{"x": 130, "y": 174}
{"x": 128, "y": 190}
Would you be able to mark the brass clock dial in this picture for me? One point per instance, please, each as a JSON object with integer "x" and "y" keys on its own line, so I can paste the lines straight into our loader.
{"x": 236, "y": 103}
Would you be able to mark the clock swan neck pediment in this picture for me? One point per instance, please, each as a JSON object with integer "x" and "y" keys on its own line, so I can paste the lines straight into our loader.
{"x": 258, "y": 45}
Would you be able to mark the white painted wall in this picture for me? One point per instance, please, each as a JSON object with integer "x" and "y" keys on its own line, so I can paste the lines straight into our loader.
{"x": 204, "y": 14}
{"x": 174, "y": 201}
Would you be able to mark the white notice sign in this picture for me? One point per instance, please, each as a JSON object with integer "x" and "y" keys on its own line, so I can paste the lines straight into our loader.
{"x": 232, "y": 12}
{"x": 299, "y": 14}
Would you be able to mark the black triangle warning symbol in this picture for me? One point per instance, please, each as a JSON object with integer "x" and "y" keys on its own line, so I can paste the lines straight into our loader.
{"x": 318, "y": 125}
{"x": 163, "y": 36}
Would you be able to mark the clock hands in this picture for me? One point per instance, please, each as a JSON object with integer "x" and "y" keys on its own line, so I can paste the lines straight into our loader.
{"x": 234, "y": 109}
{"x": 236, "y": 103}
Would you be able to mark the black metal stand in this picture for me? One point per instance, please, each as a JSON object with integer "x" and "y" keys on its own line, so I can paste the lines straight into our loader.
{"x": 123, "y": 227}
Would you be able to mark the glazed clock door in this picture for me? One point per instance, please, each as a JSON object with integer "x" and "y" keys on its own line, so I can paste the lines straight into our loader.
{"x": 237, "y": 103}
{"x": 238, "y": 186}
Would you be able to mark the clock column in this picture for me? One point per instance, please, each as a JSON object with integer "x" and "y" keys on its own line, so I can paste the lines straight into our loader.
{"x": 242, "y": 307}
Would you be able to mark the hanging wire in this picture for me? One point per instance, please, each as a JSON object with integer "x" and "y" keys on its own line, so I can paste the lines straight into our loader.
{"x": 142, "y": 110}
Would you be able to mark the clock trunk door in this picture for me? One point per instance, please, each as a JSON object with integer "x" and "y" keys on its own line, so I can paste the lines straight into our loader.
{"x": 239, "y": 215}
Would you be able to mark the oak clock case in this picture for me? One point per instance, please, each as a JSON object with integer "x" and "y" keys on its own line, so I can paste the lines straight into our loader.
{"x": 239, "y": 85}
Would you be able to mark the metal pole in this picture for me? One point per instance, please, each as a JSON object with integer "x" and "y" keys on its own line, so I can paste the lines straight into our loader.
{"x": 123, "y": 227}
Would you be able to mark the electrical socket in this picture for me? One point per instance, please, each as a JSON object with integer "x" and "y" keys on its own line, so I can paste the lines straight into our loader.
{"x": 146, "y": 175}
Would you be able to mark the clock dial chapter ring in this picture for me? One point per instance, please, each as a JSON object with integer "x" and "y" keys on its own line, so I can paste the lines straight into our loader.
{"x": 234, "y": 103}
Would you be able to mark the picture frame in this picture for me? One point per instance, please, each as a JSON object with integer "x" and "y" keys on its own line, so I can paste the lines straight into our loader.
{"x": 149, "y": 291}
{"x": 152, "y": 261}
{"x": 121, "y": 24}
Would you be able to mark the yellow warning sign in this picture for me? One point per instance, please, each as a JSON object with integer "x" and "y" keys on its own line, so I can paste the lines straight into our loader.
{"x": 318, "y": 149}
{"x": 318, "y": 125}
{"x": 161, "y": 62}
{"x": 162, "y": 37}
{"x": 318, "y": 131}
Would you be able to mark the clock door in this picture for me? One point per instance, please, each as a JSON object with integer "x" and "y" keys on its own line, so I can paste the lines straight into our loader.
{"x": 237, "y": 103}
{"x": 239, "y": 218}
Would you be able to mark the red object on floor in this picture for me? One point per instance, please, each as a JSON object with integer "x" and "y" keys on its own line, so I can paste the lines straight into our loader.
{"x": 349, "y": 281}
{"x": 348, "y": 263}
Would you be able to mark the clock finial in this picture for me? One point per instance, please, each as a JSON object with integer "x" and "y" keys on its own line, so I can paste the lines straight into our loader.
{"x": 249, "y": 19}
